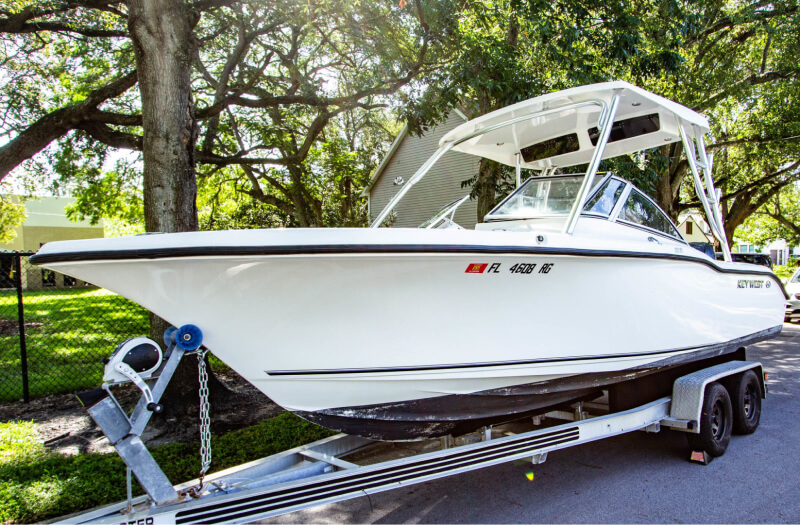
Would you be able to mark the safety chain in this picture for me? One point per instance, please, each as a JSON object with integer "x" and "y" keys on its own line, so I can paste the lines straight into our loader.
{"x": 205, "y": 419}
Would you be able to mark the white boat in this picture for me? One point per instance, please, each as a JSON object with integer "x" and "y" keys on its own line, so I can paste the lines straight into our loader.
{"x": 572, "y": 284}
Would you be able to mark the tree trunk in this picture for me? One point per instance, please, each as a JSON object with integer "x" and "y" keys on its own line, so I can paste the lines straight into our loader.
{"x": 488, "y": 175}
{"x": 670, "y": 178}
{"x": 161, "y": 31}
{"x": 666, "y": 197}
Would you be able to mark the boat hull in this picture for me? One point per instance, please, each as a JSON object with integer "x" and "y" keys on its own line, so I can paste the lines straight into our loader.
{"x": 458, "y": 414}
{"x": 325, "y": 333}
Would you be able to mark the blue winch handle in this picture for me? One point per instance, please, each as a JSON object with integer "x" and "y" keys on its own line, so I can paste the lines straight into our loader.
{"x": 169, "y": 336}
{"x": 189, "y": 337}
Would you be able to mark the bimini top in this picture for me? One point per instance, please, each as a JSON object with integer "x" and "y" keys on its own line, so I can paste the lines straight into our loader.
{"x": 563, "y": 128}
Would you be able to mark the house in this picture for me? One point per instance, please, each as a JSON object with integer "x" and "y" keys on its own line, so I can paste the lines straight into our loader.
{"x": 695, "y": 229}
{"x": 46, "y": 221}
{"x": 745, "y": 247}
{"x": 778, "y": 251}
{"x": 439, "y": 187}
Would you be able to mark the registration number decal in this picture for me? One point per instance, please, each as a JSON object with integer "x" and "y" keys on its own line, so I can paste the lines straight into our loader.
{"x": 519, "y": 268}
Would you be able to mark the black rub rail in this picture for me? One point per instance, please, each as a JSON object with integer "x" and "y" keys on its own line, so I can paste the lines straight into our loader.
{"x": 329, "y": 249}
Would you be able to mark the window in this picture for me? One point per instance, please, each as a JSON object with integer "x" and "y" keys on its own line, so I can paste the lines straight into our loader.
{"x": 441, "y": 219}
{"x": 606, "y": 197}
{"x": 688, "y": 227}
{"x": 551, "y": 148}
{"x": 48, "y": 278}
{"x": 753, "y": 258}
{"x": 641, "y": 211}
{"x": 628, "y": 128}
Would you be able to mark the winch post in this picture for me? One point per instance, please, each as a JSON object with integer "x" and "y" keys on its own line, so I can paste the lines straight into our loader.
{"x": 141, "y": 415}
{"x": 124, "y": 433}
{"x": 116, "y": 426}
{"x": 150, "y": 476}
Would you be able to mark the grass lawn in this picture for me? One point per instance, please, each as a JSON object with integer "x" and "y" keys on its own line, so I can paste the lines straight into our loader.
{"x": 68, "y": 332}
{"x": 36, "y": 484}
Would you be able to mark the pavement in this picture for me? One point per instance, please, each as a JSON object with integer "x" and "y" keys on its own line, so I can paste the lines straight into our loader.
{"x": 634, "y": 478}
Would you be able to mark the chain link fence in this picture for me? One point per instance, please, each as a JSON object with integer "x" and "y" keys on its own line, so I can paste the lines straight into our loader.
{"x": 55, "y": 330}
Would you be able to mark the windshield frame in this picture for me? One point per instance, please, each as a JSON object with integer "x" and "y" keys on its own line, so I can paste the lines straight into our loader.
{"x": 623, "y": 199}
{"x": 626, "y": 186}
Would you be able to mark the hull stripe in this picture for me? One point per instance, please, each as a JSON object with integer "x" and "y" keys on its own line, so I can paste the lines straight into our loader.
{"x": 764, "y": 334}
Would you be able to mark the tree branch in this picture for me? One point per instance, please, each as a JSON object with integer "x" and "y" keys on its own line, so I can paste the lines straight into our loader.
{"x": 118, "y": 119}
{"x": 760, "y": 182}
{"x": 26, "y": 20}
{"x": 766, "y": 50}
{"x": 783, "y": 221}
{"x": 753, "y": 80}
{"x": 749, "y": 140}
{"x": 7, "y": 26}
{"x": 110, "y": 136}
{"x": 729, "y": 21}
{"x": 57, "y": 123}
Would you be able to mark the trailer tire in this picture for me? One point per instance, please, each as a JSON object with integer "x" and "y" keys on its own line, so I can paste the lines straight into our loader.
{"x": 716, "y": 422}
{"x": 746, "y": 399}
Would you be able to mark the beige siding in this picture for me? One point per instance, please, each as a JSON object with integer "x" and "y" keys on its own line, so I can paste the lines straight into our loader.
{"x": 46, "y": 222}
{"x": 440, "y": 186}
{"x": 34, "y": 236}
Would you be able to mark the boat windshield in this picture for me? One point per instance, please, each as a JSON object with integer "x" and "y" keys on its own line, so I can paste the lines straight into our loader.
{"x": 444, "y": 217}
{"x": 542, "y": 197}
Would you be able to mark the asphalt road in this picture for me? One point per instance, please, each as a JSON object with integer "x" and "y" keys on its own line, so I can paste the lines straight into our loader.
{"x": 634, "y": 478}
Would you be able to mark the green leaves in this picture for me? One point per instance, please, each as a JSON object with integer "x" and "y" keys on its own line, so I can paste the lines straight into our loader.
{"x": 36, "y": 484}
{"x": 284, "y": 89}
{"x": 12, "y": 214}
{"x": 510, "y": 51}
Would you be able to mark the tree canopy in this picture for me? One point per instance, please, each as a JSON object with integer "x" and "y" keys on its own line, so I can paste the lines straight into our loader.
{"x": 268, "y": 78}
{"x": 289, "y": 99}
{"x": 737, "y": 66}
{"x": 239, "y": 93}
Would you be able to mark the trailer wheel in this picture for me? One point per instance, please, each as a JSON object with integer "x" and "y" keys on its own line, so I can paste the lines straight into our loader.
{"x": 746, "y": 398}
{"x": 716, "y": 422}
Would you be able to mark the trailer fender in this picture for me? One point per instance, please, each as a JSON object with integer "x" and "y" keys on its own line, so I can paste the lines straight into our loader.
{"x": 688, "y": 391}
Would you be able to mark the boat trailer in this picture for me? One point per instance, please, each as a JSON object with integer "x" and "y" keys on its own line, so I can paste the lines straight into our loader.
{"x": 342, "y": 467}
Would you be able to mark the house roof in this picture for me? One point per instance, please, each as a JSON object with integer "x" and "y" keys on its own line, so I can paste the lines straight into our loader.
{"x": 582, "y": 108}
{"x": 700, "y": 222}
{"x": 696, "y": 218}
